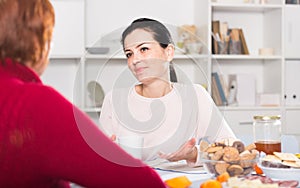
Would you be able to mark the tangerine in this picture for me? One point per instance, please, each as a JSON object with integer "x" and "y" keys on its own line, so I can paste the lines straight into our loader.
{"x": 178, "y": 182}
{"x": 211, "y": 184}
{"x": 223, "y": 177}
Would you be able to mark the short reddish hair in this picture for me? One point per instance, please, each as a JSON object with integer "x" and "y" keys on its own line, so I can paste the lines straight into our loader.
{"x": 25, "y": 29}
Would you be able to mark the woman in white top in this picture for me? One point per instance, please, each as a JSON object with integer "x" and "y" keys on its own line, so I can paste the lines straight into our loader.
{"x": 171, "y": 117}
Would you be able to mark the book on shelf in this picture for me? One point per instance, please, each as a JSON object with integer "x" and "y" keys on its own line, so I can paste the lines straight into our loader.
{"x": 224, "y": 86}
{"x": 220, "y": 90}
{"x": 215, "y": 32}
{"x": 243, "y": 41}
{"x": 215, "y": 93}
{"x": 235, "y": 46}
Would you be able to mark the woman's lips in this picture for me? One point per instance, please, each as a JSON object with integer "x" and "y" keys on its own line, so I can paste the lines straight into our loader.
{"x": 139, "y": 70}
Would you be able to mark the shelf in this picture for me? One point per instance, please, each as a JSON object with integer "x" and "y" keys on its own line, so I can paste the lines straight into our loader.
{"x": 122, "y": 56}
{"x": 246, "y": 108}
{"x": 105, "y": 56}
{"x": 246, "y": 57}
{"x": 292, "y": 5}
{"x": 190, "y": 56}
{"x": 65, "y": 57}
{"x": 292, "y": 107}
{"x": 244, "y": 7}
{"x": 91, "y": 109}
{"x": 292, "y": 58}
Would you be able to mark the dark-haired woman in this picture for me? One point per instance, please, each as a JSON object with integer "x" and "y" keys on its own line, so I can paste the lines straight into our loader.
{"x": 172, "y": 117}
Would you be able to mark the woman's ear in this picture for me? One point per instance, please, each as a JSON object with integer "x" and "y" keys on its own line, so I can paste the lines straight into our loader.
{"x": 170, "y": 52}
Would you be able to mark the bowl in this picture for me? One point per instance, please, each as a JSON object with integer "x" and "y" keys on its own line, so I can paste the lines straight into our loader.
{"x": 97, "y": 50}
{"x": 280, "y": 170}
{"x": 240, "y": 167}
{"x": 281, "y": 173}
{"x": 229, "y": 155}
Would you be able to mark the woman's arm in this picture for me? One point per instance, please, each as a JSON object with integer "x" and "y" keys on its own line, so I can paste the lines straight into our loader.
{"x": 76, "y": 150}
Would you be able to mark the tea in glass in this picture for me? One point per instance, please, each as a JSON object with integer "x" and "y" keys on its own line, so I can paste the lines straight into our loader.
{"x": 267, "y": 133}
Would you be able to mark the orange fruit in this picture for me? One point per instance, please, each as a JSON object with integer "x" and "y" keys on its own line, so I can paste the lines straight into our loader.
{"x": 258, "y": 170}
{"x": 178, "y": 182}
{"x": 223, "y": 177}
{"x": 211, "y": 184}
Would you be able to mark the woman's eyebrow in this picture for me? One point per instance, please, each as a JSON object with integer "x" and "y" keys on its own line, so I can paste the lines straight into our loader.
{"x": 140, "y": 44}
{"x": 146, "y": 42}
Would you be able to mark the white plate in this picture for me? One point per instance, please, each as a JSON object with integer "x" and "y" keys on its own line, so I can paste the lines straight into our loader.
{"x": 281, "y": 173}
{"x": 96, "y": 93}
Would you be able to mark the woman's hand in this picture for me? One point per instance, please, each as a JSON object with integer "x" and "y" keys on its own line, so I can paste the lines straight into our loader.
{"x": 187, "y": 151}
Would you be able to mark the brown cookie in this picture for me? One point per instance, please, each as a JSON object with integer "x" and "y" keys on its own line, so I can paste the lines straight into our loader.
{"x": 239, "y": 146}
{"x": 231, "y": 154}
{"x": 213, "y": 149}
{"x": 235, "y": 170}
{"x": 246, "y": 160}
{"x": 250, "y": 147}
{"x": 217, "y": 155}
{"x": 221, "y": 167}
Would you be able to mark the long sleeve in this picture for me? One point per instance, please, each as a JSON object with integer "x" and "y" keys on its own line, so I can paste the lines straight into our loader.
{"x": 86, "y": 155}
{"x": 62, "y": 143}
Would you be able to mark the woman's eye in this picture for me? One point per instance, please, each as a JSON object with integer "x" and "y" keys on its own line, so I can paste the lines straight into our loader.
{"x": 143, "y": 49}
{"x": 128, "y": 55}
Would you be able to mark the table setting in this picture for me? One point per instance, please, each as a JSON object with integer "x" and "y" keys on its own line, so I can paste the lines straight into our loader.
{"x": 230, "y": 164}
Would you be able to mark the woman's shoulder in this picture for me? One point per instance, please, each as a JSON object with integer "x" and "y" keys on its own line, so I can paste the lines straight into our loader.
{"x": 44, "y": 96}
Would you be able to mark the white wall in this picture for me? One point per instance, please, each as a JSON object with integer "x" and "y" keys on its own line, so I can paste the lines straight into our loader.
{"x": 105, "y": 16}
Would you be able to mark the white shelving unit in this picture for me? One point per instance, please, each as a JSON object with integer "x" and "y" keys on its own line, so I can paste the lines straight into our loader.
{"x": 272, "y": 25}
{"x": 264, "y": 26}
{"x": 292, "y": 63}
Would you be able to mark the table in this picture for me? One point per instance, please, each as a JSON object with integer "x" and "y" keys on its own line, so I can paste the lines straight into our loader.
{"x": 168, "y": 170}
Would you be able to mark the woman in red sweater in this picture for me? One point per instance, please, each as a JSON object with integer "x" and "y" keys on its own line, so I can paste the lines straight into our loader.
{"x": 45, "y": 141}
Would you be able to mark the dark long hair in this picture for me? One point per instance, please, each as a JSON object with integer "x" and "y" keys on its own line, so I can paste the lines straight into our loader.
{"x": 160, "y": 34}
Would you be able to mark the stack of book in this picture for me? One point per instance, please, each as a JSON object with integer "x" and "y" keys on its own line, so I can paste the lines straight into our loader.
{"x": 219, "y": 90}
{"x": 222, "y": 35}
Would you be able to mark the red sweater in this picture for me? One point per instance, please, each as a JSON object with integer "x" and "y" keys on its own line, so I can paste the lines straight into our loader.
{"x": 45, "y": 141}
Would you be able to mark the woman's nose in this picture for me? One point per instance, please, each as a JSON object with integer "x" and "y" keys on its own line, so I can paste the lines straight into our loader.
{"x": 136, "y": 58}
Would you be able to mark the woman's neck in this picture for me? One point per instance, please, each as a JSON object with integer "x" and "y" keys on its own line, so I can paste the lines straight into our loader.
{"x": 155, "y": 89}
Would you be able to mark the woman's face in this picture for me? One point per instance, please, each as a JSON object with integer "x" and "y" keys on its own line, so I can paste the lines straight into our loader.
{"x": 146, "y": 59}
